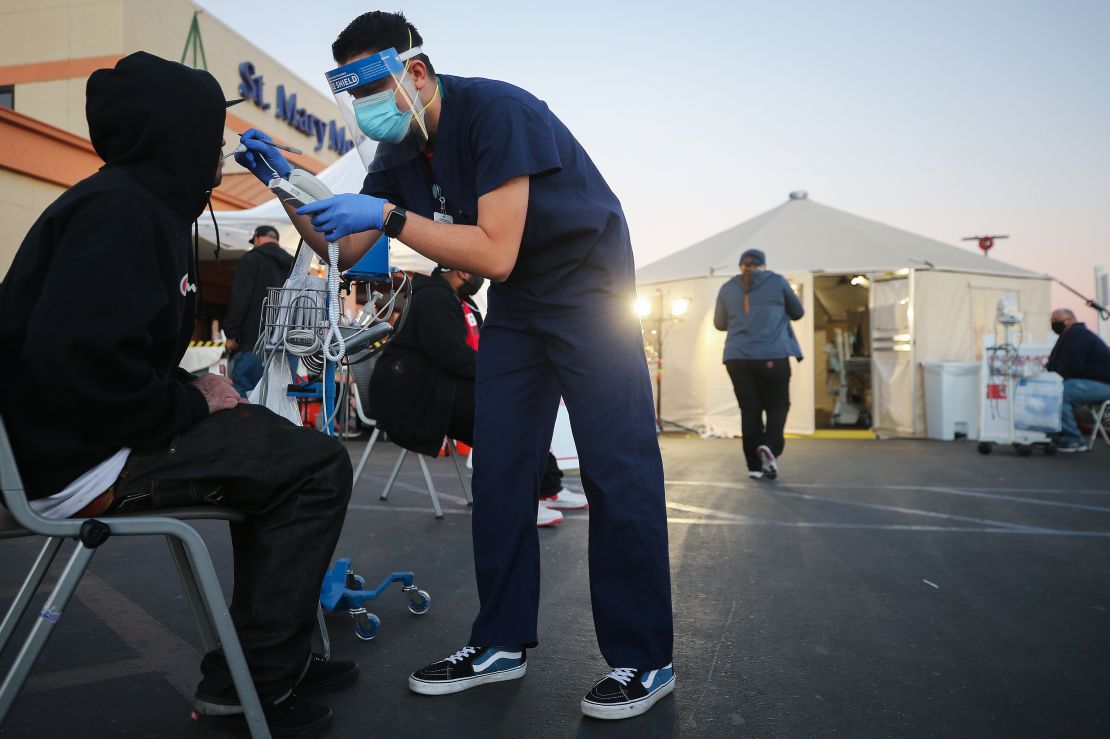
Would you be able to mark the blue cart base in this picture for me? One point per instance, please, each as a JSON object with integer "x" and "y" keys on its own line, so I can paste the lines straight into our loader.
{"x": 344, "y": 590}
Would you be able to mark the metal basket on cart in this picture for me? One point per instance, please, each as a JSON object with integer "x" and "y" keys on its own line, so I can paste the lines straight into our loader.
{"x": 293, "y": 318}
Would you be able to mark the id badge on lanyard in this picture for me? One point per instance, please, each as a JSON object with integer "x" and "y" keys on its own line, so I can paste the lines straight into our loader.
{"x": 441, "y": 216}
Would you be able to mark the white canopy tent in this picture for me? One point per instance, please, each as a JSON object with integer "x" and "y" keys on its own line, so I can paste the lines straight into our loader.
{"x": 237, "y": 227}
{"x": 925, "y": 301}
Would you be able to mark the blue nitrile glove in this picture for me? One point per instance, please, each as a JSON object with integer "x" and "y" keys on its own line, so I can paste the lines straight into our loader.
{"x": 259, "y": 153}
{"x": 343, "y": 215}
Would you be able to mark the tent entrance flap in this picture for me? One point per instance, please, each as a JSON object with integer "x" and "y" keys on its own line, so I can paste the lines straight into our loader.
{"x": 893, "y": 374}
{"x": 841, "y": 351}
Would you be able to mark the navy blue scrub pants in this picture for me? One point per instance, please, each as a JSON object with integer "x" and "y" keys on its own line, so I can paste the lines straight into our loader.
{"x": 595, "y": 361}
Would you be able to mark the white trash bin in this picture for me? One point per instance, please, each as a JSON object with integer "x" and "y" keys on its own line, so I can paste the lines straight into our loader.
{"x": 951, "y": 400}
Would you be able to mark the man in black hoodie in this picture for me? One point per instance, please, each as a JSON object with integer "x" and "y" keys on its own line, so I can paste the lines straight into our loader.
{"x": 95, "y": 314}
{"x": 265, "y": 266}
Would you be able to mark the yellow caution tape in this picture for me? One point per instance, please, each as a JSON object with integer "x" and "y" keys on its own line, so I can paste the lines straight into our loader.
{"x": 206, "y": 343}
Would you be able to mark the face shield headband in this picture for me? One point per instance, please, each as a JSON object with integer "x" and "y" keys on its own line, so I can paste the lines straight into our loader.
{"x": 378, "y": 116}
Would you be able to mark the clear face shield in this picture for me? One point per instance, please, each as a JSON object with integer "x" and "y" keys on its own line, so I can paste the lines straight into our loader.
{"x": 378, "y": 113}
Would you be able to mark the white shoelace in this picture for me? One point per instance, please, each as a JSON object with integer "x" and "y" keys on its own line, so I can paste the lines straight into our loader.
{"x": 623, "y": 675}
{"x": 461, "y": 654}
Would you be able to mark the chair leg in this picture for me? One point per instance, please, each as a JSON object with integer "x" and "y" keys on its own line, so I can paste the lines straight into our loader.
{"x": 431, "y": 486}
{"x": 459, "y": 470}
{"x": 30, "y": 586}
{"x": 212, "y": 596}
{"x": 1100, "y": 428}
{"x": 50, "y": 614}
{"x": 393, "y": 475}
{"x": 324, "y": 638}
{"x": 365, "y": 455}
{"x": 192, "y": 594}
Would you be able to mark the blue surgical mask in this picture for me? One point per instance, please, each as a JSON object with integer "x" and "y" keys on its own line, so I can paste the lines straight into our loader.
{"x": 379, "y": 117}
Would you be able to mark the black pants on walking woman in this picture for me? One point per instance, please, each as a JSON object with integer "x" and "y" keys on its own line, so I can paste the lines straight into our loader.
{"x": 762, "y": 388}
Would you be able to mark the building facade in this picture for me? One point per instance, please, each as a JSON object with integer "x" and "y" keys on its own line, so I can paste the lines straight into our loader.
{"x": 48, "y": 49}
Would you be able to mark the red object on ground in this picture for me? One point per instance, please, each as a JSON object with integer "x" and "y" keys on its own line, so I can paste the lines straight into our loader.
{"x": 310, "y": 413}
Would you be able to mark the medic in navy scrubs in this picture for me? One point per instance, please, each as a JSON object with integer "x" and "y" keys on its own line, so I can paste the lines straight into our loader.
{"x": 482, "y": 176}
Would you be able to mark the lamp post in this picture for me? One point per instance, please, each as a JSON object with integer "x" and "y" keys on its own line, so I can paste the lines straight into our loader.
{"x": 655, "y": 309}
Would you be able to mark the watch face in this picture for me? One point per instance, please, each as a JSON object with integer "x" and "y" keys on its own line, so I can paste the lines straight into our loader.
{"x": 394, "y": 222}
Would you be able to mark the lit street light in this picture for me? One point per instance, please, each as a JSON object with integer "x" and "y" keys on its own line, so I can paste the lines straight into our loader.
{"x": 652, "y": 308}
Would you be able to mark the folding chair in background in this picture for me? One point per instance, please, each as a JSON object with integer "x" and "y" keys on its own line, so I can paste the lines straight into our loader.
{"x": 361, "y": 389}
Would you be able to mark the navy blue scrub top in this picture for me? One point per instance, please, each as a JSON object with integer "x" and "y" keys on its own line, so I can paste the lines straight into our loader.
{"x": 575, "y": 253}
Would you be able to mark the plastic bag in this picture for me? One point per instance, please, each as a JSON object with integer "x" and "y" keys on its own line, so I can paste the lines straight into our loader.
{"x": 271, "y": 390}
{"x": 1038, "y": 402}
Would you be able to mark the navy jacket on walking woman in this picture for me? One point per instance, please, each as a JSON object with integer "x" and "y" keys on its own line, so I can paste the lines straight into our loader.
{"x": 764, "y": 332}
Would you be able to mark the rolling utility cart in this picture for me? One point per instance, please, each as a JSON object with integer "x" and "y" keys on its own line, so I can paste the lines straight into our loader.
{"x": 302, "y": 319}
{"x": 1020, "y": 401}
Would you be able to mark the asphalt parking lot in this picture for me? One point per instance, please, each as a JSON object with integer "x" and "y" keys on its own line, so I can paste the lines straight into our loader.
{"x": 896, "y": 588}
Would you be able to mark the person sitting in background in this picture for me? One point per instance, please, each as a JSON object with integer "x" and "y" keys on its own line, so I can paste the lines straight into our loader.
{"x": 265, "y": 266}
{"x": 1083, "y": 360}
{"x": 756, "y": 308}
{"x": 423, "y": 386}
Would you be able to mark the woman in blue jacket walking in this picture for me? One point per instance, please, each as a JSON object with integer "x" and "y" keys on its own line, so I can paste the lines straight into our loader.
{"x": 756, "y": 308}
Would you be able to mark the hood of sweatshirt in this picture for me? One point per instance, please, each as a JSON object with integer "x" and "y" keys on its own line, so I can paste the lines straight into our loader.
{"x": 758, "y": 278}
{"x": 161, "y": 121}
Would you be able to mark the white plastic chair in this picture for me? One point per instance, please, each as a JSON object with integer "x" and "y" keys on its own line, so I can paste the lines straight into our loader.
{"x": 1102, "y": 416}
{"x": 190, "y": 555}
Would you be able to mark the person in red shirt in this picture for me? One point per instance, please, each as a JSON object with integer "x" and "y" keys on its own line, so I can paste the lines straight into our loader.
{"x": 423, "y": 386}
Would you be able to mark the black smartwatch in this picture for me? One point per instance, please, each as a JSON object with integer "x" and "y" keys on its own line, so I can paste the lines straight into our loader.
{"x": 394, "y": 222}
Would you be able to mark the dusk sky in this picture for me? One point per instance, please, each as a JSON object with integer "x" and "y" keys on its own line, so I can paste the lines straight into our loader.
{"x": 944, "y": 118}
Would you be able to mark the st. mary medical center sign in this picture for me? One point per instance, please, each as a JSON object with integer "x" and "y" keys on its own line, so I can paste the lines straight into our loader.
{"x": 325, "y": 132}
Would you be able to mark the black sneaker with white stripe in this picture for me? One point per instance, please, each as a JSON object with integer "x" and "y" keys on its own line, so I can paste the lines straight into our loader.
{"x": 469, "y": 667}
{"x": 626, "y": 692}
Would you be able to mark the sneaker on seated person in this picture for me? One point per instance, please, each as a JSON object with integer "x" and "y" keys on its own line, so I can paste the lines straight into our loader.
{"x": 546, "y": 516}
{"x": 565, "y": 499}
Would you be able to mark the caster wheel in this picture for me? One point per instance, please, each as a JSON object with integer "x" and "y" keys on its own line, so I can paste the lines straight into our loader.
{"x": 367, "y": 625}
{"x": 1050, "y": 448}
{"x": 985, "y": 447}
{"x": 1023, "y": 450}
{"x": 419, "y": 602}
{"x": 355, "y": 582}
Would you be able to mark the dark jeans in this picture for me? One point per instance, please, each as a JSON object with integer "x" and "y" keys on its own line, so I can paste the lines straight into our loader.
{"x": 293, "y": 484}
{"x": 461, "y": 428}
{"x": 762, "y": 388}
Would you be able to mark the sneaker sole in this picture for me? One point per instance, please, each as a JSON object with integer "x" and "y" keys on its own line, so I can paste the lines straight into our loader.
{"x": 770, "y": 464}
{"x": 424, "y": 687}
{"x": 557, "y": 506}
{"x": 237, "y": 726}
{"x": 626, "y": 710}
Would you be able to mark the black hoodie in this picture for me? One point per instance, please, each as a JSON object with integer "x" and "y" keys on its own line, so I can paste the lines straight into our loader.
{"x": 99, "y": 304}
{"x": 258, "y": 270}
{"x": 423, "y": 366}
